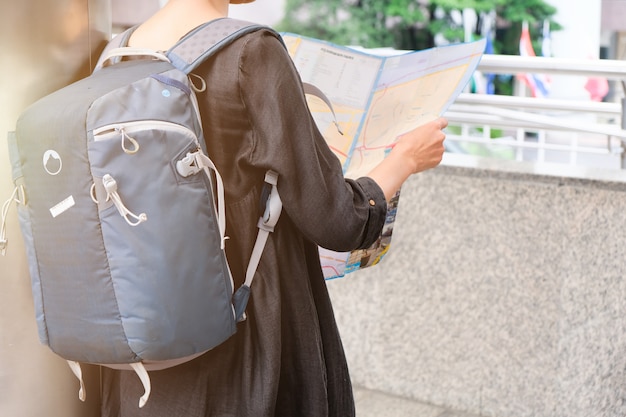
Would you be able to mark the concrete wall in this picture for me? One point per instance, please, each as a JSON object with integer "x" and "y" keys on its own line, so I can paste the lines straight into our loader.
{"x": 503, "y": 293}
{"x": 45, "y": 45}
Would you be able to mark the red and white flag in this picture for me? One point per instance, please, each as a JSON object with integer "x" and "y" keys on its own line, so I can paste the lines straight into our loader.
{"x": 537, "y": 83}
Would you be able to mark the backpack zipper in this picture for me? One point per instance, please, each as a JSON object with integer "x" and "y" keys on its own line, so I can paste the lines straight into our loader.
{"x": 125, "y": 131}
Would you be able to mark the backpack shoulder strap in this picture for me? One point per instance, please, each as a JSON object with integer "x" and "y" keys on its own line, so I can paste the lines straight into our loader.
{"x": 194, "y": 48}
{"x": 202, "y": 42}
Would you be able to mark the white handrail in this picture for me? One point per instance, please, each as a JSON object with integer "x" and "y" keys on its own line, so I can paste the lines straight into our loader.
{"x": 513, "y": 64}
{"x": 540, "y": 104}
{"x": 534, "y": 121}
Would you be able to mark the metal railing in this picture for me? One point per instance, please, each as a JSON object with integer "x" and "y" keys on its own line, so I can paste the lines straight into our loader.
{"x": 527, "y": 128}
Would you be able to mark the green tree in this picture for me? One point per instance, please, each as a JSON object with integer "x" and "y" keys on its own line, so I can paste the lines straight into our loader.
{"x": 408, "y": 24}
{"x": 368, "y": 23}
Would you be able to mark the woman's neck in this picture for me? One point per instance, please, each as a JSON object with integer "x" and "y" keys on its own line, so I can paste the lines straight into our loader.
{"x": 174, "y": 20}
{"x": 196, "y": 10}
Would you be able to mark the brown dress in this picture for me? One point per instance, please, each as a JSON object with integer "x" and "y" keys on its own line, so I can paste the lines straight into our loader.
{"x": 286, "y": 359}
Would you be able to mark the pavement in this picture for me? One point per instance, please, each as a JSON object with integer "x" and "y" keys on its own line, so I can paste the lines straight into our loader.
{"x": 377, "y": 404}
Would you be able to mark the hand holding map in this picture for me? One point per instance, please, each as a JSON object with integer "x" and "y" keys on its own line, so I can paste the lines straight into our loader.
{"x": 376, "y": 99}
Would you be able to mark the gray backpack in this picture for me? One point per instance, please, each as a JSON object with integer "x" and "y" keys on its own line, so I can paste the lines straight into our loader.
{"x": 122, "y": 212}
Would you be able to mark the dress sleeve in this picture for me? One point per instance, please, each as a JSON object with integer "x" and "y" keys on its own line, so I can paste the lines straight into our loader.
{"x": 336, "y": 213}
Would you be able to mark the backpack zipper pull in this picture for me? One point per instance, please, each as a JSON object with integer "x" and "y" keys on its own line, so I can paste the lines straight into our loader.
{"x": 127, "y": 138}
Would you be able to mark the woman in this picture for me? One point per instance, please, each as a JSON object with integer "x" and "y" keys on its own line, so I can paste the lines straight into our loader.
{"x": 286, "y": 359}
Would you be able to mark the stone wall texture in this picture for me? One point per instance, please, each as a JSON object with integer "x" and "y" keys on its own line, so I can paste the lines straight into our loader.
{"x": 503, "y": 293}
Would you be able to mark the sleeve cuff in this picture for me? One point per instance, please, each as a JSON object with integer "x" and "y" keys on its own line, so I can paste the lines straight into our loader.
{"x": 377, "y": 210}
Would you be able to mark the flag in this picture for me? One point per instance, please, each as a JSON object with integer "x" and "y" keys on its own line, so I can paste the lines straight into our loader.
{"x": 489, "y": 78}
{"x": 598, "y": 88}
{"x": 537, "y": 83}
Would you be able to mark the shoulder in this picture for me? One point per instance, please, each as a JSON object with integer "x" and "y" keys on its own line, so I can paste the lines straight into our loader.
{"x": 263, "y": 47}
{"x": 255, "y": 54}
{"x": 264, "y": 35}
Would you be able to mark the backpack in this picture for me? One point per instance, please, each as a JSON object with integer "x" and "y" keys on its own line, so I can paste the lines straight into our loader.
{"x": 122, "y": 212}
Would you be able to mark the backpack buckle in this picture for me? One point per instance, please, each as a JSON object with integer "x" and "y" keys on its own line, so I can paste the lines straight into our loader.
{"x": 188, "y": 165}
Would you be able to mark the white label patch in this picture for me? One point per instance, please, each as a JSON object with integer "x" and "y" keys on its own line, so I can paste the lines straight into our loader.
{"x": 62, "y": 206}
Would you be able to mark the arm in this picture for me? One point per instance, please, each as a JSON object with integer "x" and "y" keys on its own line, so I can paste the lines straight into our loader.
{"x": 330, "y": 210}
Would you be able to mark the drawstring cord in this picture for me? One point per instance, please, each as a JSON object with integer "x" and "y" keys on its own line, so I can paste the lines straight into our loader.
{"x": 5, "y": 213}
{"x": 139, "y": 369}
{"x": 193, "y": 163}
{"x": 110, "y": 185}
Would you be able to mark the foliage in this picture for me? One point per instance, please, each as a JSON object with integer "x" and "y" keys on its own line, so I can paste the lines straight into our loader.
{"x": 409, "y": 24}
{"x": 368, "y": 23}
{"x": 416, "y": 24}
